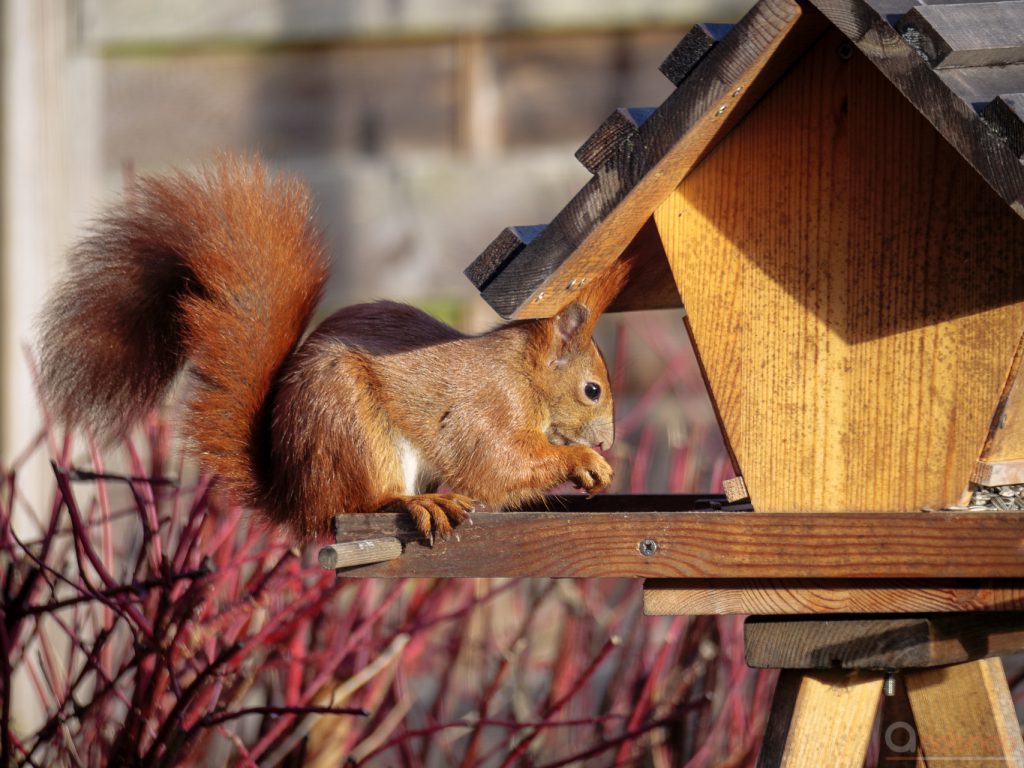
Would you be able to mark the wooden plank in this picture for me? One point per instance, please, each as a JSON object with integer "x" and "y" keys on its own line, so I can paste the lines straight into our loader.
{"x": 1006, "y": 112}
{"x": 774, "y": 597}
{"x": 967, "y": 34}
{"x": 601, "y": 220}
{"x": 994, "y": 473}
{"x": 965, "y": 715}
{"x": 892, "y": 10}
{"x": 891, "y": 642}
{"x": 839, "y": 297}
{"x": 735, "y": 489}
{"x": 1004, "y": 446}
{"x": 496, "y": 256}
{"x": 818, "y": 719}
{"x": 618, "y": 127}
{"x": 978, "y": 86}
{"x": 924, "y": 88}
{"x": 717, "y": 545}
{"x": 693, "y": 46}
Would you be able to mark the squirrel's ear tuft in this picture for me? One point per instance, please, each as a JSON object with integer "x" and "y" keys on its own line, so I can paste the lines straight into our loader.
{"x": 571, "y": 328}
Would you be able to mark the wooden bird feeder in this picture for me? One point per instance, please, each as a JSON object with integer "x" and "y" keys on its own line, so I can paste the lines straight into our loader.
{"x": 835, "y": 193}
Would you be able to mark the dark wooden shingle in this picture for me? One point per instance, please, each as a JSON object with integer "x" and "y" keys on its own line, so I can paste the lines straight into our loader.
{"x": 1006, "y": 114}
{"x": 967, "y": 34}
{"x": 691, "y": 49}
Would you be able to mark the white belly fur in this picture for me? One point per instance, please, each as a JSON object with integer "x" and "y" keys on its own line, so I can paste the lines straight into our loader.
{"x": 415, "y": 471}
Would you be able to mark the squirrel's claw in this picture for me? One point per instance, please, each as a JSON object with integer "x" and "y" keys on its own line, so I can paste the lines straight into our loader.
{"x": 436, "y": 514}
{"x": 592, "y": 474}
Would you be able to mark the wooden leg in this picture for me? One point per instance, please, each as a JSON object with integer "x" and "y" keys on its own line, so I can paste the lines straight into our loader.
{"x": 965, "y": 715}
{"x": 821, "y": 718}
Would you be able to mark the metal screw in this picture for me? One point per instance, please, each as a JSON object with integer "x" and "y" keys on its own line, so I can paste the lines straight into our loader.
{"x": 572, "y": 284}
{"x": 720, "y": 111}
{"x": 648, "y": 547}
{"x": 539, "y": 297}
{"x": 738, "y": 91}
{"x": 889, "y": 685}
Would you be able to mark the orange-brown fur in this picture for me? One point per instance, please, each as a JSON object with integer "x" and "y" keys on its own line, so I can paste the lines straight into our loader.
{"x": 223, "y": 270}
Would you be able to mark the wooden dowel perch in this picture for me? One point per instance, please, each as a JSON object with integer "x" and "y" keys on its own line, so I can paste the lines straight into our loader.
{"x": 364, "y": 552}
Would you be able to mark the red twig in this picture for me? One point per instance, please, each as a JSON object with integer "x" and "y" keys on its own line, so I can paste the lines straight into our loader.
{"x": 217, "y": 718}
{"x": 554, "y": 708}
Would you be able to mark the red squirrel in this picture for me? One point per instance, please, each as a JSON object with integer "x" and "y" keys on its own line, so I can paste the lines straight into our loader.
{"x": 219, "y": 272}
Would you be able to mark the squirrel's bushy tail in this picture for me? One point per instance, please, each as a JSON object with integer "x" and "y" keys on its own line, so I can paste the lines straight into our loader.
{"x": 221, "y": 269}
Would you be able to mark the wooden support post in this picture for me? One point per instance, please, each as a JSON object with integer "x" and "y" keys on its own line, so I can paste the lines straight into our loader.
{"x": 820, "y": 718}
{"x": 833, "y": 672}
{"x": 880, "y": 642}
{"x": 965, "y": 715}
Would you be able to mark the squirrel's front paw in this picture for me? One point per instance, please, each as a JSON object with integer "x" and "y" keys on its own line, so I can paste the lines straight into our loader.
{"x": 590, "y": 471}
{"x": 436, "y": 514}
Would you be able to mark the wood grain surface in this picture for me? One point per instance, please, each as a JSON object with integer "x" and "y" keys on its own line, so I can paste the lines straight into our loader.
{"x": 500, "y": 252}
{"x": 767, "y": 597}
{"x": 967, "y": 34}
{"x": 350, "y": 553}
{"x": 716, "y": 545}
{"x": 943, "y": 102}
{"x": 1006, "y": 112}
{"x": 693, "y": 46}
{"x": 867, "y": 296}
{"x": 820, "y": 719}
{"x": 965, "y": 716}
{"x": 618, "y": 127}
{"x": 890, "y": 642}
{"x": 996, "y": 473}
{"x": 1002, "y": 458}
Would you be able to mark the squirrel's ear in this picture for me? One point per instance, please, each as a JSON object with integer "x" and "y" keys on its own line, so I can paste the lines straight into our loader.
{"x": 570, "y": 327}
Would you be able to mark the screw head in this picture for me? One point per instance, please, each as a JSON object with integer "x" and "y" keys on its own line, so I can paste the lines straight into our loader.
{"x": 648, "y": 547}
{"x": 738, "y": 91}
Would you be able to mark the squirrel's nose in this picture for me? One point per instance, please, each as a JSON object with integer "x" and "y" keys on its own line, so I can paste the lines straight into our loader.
{"x": 604, "y": 436}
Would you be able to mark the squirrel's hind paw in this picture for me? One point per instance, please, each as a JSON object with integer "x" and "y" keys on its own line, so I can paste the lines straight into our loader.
{"x": 436, "y": 514}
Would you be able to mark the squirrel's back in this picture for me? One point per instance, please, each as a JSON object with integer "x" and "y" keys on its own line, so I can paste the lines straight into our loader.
{"x": 221, "y": 269}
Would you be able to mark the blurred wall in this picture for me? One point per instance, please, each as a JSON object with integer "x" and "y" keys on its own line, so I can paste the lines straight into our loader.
{"x": 424, "y": 126}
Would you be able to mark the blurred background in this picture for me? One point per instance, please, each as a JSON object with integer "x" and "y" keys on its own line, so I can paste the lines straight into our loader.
{"x": 423, "y": 126}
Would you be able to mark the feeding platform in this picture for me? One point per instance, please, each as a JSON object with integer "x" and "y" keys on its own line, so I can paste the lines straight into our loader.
{"x": 834, "y": 191}
{"x": 697, "y": 537}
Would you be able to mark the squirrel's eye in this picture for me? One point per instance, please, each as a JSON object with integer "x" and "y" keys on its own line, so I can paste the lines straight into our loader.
{"x": 592, "y": 390}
